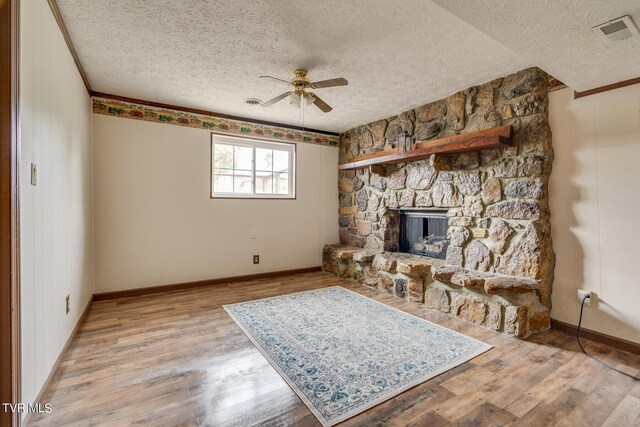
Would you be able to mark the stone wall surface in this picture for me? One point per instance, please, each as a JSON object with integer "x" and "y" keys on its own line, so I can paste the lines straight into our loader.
{"x": 496, "y": 200}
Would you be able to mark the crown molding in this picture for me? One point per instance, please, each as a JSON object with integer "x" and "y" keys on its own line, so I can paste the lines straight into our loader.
{"x": 606, "y": 88}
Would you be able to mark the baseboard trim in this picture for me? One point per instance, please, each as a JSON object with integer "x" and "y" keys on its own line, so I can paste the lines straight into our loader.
{"x": 617, "y": 343}
{"x": 56, "y": 365}
{"x": 104, "y": 296}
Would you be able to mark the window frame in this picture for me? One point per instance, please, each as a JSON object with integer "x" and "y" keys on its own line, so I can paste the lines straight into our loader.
{"x": 254, "y": 143}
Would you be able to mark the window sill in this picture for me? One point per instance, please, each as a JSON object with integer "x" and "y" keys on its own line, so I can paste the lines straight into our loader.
{"x": 253, "y": 197}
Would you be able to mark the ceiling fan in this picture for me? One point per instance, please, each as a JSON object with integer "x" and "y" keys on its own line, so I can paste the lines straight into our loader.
{"x": 299, "y": 93}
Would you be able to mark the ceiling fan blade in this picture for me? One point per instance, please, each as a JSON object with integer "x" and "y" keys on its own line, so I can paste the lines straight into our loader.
{"x": 276, "y": 79}
{"x": 321, "y": 104}
{"x": 330, "y": 83}
{"x": 276, "y": 99}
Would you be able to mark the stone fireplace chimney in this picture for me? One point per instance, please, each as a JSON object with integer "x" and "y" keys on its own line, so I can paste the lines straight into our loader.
{"x": 498, "y": 268}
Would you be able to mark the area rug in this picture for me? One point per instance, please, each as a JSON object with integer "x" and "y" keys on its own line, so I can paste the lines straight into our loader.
{"x": 343, "y": 353}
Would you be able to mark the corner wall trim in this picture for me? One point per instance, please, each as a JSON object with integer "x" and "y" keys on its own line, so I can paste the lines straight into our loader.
{"x": 10, "y": 330}
{"x": 104, "y": 296}
{"x": 58, "y": 362}
{"x": 53, "y": 4}
{"x": 617, "y": 343}
{"x": 606, "y": 88}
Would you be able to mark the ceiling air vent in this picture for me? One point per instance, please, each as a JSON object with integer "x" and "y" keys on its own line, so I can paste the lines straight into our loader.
{"x": 617, "y": 29}
{"x": 252, "y": 101}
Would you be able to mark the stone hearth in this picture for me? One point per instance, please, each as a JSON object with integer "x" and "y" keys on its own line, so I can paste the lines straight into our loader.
{"x": 502, "y": 303}
{"x": 499, "y": 264}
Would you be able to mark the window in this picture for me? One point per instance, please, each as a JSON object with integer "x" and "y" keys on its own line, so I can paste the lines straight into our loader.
{"x": 252, "y": 169}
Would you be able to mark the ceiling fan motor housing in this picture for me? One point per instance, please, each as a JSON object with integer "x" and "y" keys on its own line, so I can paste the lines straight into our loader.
{"x": 300, "y": 81}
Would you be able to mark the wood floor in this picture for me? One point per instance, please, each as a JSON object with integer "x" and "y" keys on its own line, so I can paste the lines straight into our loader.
{"x": 178, "y": 359}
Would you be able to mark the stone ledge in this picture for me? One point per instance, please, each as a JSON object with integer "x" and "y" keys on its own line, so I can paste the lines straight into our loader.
{"x": 340, "y": 251}
{"x": 365, "y": 255}
{"x": 411, "y": 265}
{"x": 493, "y": 284}
{"x": 338, "y": 259}
{"x": 503, "y": 285}
{"x": 401, "y": 274}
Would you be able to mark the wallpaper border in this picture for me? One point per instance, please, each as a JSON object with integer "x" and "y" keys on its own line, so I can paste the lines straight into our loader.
{"x": 129, "y": 110}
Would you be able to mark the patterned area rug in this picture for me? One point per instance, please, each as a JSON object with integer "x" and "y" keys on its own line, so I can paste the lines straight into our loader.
{"x": 343, "y": 353}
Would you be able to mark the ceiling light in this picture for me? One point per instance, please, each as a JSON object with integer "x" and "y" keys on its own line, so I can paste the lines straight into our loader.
{"x": 295, "y": 99}
{"x": 617, "y": 29}
{"x": 308, "y": 99}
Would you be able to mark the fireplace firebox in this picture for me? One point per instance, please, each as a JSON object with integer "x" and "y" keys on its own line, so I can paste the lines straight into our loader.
{"x": 424, "y": 232}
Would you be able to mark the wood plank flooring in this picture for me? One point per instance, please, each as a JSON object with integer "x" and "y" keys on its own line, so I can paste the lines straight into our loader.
{"x": 177, "y": 359}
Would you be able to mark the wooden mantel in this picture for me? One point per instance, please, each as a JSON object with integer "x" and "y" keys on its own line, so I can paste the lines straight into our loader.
{"x": 498, "y": 137}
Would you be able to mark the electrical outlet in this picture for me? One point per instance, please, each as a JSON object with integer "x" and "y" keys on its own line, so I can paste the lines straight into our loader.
{"x": 252, "y": 234}
{"x": 34, "y": 174}
{"x": 582, "y": 294}
{"x": 256, "y": 259}
{"x": 67, "y": 304}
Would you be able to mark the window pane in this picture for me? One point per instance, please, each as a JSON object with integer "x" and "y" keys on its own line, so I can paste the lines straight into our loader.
{"x": 280, "y": 161}
{"x": 264, "y": 159}
{"x": 264, "y": 182}
{"x": 244, "y": 167}
{"x": 242, "y": 157}
{"x": 223, "y": 156}
{"x": 281, "y": 184}
{"x": 242, "y": 182}
{"x": 223, "y": 181}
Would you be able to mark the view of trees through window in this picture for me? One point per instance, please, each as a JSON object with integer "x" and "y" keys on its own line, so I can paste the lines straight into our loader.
{"x": 248, "y": 168}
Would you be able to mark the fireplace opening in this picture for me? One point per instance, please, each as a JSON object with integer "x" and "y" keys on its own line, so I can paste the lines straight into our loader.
{"x": 424, "y": 232}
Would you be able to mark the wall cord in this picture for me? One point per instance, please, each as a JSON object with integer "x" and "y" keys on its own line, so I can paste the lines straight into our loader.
{"x": 593, "y": 357}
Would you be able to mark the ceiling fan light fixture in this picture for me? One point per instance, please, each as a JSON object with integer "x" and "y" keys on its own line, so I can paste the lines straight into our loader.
{"x": 295, "y": 99}
{"x": 299, "y": 94}
{"x": 308, "y": 99}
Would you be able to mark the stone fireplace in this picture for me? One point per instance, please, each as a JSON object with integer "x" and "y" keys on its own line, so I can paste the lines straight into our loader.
{"x": 497, "y": 269}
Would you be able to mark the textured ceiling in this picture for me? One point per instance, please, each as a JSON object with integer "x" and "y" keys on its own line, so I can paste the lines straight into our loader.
{"x": 556, "y": 36}
{"x": 209, "y": 54}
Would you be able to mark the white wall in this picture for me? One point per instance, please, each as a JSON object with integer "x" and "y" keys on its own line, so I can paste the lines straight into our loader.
{"x": 155, "y": 223}
{"x": 55, "y": 217}
{"x": 595, "y": 205}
